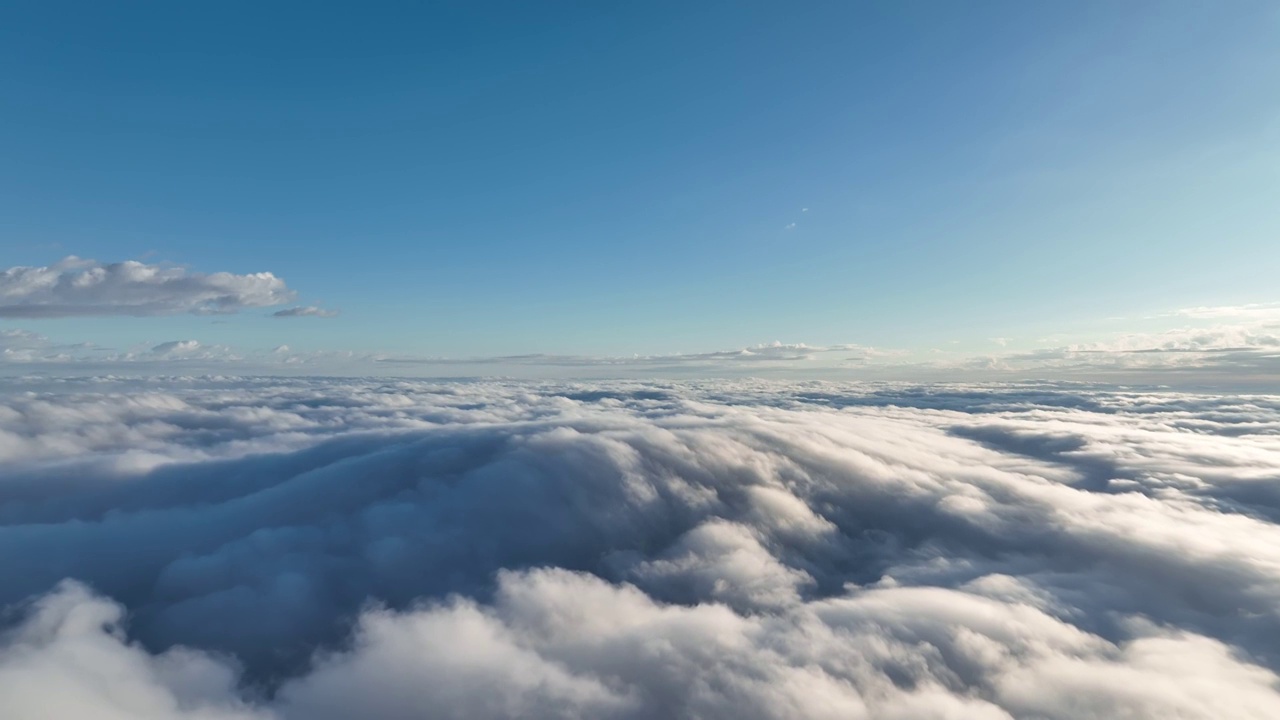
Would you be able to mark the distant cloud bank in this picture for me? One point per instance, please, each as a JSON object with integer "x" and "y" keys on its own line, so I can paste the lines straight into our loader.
{"x": 275, "y": 549}
{"x": 1219, "y": 346}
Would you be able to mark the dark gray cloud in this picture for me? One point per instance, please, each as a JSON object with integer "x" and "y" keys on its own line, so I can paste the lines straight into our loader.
{"x": 75, "y": 286}
{"x": 270, "y": 548}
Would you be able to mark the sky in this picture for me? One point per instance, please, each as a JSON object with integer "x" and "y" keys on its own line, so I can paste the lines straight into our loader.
{"x": 907, "y": 184}
{"x": 637, "y": 360}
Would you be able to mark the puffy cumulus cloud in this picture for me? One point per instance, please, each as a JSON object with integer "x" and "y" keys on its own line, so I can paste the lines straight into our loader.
{"x": 287, "y": 549}
{"x": 305, "y": 311}
{"x": 75, "y": 286}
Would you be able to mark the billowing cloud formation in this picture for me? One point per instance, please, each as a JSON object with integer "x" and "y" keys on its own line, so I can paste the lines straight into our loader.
{"x": 279, "y": 549}
{"x": 305, "y": 311}
{"x": 76, "y": 286}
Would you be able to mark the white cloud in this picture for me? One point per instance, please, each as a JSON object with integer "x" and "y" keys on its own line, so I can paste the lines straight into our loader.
{"x": 1212, "y": 339}
{"x": 23, "y": 346}
{"x": 75, "y": 286}
{"x": 1266, "y": 311}
{"x": 744, "y": 549}
{"x": 176, "y": 347}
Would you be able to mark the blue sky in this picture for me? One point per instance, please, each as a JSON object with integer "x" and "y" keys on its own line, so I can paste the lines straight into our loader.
{"x": 594, "y": 179}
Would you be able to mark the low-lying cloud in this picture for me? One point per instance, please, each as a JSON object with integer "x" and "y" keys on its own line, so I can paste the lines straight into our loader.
{"x": 765, "y": 356}
{"x": 76, "y": 286}
{"x": 281, "y": 549}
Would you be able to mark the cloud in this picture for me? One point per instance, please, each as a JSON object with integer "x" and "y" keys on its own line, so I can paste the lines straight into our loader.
{"x": 764, "y": 355}
{"x": 306, "y": 311}
{"x": 76, "y": 286}
{"x": 1241, "y": 355}
{"x": 294, "y": 548}
{"x": 221, "y": 358}
{"x": 1232, "y": 354}
{"x": 790, "y": 226}
{"x": 1212, "y": 339}
{"x": 25, "y": 347}
{"x": 176, "y": 347}
{"x": 1266, "y": 311}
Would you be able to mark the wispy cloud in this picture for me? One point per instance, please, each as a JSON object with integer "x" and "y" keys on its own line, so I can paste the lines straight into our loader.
{"x": 305, "y": 311}
{"x": 775, "y": 353}
{"x": 1265, "y": 311}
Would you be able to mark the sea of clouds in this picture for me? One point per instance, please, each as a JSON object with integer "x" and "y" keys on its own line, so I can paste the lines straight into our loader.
{"x": 309, "y": 549}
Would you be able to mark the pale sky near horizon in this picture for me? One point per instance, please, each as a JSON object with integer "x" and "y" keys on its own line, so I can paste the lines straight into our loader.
{"x": 994, "y": 184}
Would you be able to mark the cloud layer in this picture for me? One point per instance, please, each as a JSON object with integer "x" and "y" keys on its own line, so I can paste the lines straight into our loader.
{"x": 266, "y": 548}
{"x": 75, "y": 286}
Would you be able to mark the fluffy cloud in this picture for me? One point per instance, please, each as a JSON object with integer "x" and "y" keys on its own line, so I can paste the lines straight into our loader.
{"x": 76, "y": 286}
{"x": 266, "y": 548}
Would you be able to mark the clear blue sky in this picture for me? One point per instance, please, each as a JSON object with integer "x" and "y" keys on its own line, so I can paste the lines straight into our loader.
{"x": 472, "y": 178}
